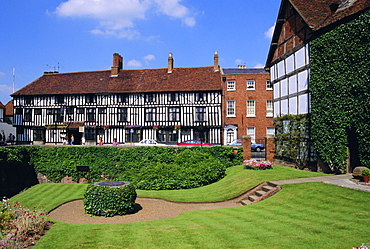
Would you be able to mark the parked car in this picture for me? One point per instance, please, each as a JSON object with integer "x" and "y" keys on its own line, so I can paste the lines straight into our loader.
{"x": 236, "y": 142}
{"x": 149, "y": 142}
{"x": 257, "y": 147}
{"x": 193, "y": 142}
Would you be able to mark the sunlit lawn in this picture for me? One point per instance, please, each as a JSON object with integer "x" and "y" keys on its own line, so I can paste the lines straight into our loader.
{"x": 307, "y": 215}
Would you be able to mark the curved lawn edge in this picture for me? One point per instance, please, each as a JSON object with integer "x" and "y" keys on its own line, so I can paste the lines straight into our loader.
{"x": 237, "y": 181}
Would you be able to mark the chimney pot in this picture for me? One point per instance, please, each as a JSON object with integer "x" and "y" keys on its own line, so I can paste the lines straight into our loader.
{"x": 170, "y": 63}
{"x": 216, "y": 67}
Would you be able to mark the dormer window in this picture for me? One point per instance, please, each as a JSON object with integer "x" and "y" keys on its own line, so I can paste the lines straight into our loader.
{"x": 59, "y": 99}
{"x": 173, "y": 97}
{"x": 200, "y": 96}
{"x": 91, "y": 98}
{"x": 149, "y": 97}
{"x": 28, "y": 100}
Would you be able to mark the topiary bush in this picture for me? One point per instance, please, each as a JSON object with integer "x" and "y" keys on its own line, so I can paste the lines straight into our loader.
{"x": 109, "y": 201}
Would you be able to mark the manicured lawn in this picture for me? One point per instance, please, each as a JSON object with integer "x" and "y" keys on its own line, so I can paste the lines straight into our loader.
{"x": 308, "y": 215}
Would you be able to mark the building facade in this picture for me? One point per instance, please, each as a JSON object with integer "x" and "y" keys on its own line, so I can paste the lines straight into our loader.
{"x": 248, "y": 107}
{"x": 300, "y": 22}
{"x": 168, "y": 104}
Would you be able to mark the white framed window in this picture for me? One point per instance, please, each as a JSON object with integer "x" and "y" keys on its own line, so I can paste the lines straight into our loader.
{"x": 251, "y": 108}
{"x": 230, "y": 108}
{"x": 251, "y": 131}
{"x": 251, "y": 85}
{"x": 269, "y": 108}
{"x": 270, "y": 130}
{"x": 269, "y": 85}
{"x": 231, "y": 85}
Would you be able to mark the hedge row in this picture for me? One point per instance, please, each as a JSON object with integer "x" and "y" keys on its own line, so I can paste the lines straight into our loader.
{"x": 145, "y": 167}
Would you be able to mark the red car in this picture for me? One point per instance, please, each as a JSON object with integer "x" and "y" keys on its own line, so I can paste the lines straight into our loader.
{"x": 193, "y": 142}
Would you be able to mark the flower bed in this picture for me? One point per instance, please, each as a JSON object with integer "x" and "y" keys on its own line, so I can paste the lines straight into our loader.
{"x": 21, "y": 227}
{"x": 257, "y": 165}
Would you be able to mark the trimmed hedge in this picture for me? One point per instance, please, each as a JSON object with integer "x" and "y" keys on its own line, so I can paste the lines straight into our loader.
{"x": 109, "y": 201}
{"x": 145, "y": 167}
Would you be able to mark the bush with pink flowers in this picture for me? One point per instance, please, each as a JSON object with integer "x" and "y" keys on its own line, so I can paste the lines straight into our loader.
{"x": 257, "y": 165}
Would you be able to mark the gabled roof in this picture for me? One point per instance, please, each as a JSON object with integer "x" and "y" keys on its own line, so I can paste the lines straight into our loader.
{"x": 127, "y": 81}
{"x": 320, "y": 16}
{"x": 321, "y": 13}
{"x": 9, "y": 108}
{"x": 2, "y": 105}
{"x": 244, "y": 71}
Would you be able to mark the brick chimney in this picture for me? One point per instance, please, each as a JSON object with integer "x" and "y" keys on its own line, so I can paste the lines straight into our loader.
{"x": 117, "y": 65}
{"x": 216, "y": 67}
{"x": 170, "y": 63}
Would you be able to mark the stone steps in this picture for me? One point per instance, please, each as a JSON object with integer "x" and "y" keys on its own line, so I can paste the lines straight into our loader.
{"x": 259, "y": 193}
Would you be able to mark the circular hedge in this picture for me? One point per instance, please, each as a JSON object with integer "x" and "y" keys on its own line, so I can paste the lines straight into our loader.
{"x": 109, "y": 200}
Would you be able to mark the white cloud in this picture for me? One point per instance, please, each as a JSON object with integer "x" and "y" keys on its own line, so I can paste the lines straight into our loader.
{"x": 148, "y": 58}
{"x": 259, "y": 65}
{"x": 189, "y": 21}
{"x": 117, "y": 17}
{"x": 239, "y": 62}
{"x": 2, "y": 74}
{"x": 270, "y": 32}
{"x": 6, "y": 89}
{"x": 134, "y": 63}
{"x": 129, "y": 34}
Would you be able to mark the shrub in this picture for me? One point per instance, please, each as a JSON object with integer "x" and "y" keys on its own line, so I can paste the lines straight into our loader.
{"x": 109, "y": 201}
{"x": 365, "y": 172}
{"x": 256, "y": 165}
{"x": 22, "y": 226}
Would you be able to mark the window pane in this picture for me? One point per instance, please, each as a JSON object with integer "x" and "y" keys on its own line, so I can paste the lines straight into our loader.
{"x": 231, "y": 108}
{"x": 231, "y": 85}
{"x": 250, "y": 85}
{"x": 174, "y": 114}
{"x": 122, "y": 114}
{"x": 251, "y": 110}
{"x": 269, "y": 108}
{"x": 200, "y": 114}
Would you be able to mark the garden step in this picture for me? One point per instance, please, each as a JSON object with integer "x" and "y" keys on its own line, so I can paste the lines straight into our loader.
{"x": 246, "y": 202}
{"x": 253, "y": 197}
{"x": 267, "y": 188}
{"x": 259, "y": 193}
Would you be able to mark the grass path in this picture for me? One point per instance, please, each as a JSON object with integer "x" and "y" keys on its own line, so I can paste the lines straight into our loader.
{"x": 306, "y": 215}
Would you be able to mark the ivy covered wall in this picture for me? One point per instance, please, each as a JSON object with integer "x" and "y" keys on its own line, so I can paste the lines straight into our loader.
{"x": 340, "y": 93}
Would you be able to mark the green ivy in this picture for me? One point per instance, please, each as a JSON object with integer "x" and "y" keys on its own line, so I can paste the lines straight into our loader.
{"x": 109, "y": 201}
{"x": 291, "y": 138}
{"x": 340, "y": 91}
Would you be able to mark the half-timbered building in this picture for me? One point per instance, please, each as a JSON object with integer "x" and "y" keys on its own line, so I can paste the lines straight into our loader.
{"x": 167, "y": 104}
{"x": 298, "y": 24}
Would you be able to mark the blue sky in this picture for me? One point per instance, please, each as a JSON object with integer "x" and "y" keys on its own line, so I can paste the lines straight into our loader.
{"x": 82, "y": 35}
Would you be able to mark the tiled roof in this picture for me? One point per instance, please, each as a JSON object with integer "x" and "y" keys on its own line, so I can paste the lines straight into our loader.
{"x": 320, "y": 16}
{"x": 2, "y": 105}
{"x": 9, "y": 108}
{"x": 128, "y": 81}
{"x": 244, "y": 71}
{"x": 321, "y": 13}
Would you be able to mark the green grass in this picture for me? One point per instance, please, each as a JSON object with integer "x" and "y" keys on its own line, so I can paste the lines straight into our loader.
{"x": 307, "y": 215}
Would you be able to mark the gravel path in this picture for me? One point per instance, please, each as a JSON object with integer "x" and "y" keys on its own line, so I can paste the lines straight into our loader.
{"x": 145, "y": 209}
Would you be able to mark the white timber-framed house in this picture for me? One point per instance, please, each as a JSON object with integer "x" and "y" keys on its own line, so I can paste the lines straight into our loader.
{"x": 298, "y": 23}
{"x": 167, "y": 104}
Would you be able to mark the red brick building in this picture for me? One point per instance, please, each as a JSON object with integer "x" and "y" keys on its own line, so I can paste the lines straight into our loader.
{"x": 248, "y": 104}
